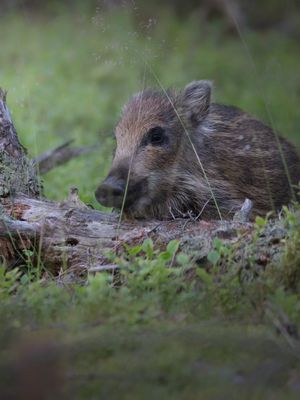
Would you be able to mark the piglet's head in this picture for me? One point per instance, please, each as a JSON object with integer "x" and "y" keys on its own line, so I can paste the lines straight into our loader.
{"x": 152, "y": 139}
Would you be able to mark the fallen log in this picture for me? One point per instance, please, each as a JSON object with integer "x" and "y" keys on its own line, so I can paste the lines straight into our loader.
{"x": 72, "y": 236}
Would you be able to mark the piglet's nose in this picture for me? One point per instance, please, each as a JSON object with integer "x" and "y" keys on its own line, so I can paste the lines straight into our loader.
{"x": 111, "y": 192}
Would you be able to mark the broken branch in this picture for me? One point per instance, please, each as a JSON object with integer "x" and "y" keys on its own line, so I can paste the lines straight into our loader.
{"x": 58, "y": 156}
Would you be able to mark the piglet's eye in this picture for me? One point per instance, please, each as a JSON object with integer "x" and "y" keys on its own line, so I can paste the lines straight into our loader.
{"x": 157, "y": 136}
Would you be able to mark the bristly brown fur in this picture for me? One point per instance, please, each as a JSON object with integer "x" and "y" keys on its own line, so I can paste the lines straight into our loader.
{"x": 240, "y": 156}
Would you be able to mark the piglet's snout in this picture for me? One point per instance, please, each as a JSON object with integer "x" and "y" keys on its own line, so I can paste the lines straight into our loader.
{"x": 111, "y": 192}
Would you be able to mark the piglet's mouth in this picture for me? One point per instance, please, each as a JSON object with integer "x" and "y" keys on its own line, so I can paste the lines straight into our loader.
{"x": 113, "y": 191}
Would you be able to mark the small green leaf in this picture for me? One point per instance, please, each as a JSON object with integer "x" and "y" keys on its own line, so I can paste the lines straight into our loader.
{"x": 28, "y": 253}
{"x": 173, "y": 246}
{"x": 260, "y": 222}
{"x": 135, "y": 250}
{"x": 217, "y": 244}
{"x": 24, "y": 279}
{"x": 182, "y": 259}
{"x": 147, "y": 246}
{"x": 213, "y": 257}
{"x": 165, "y": 256}
{"x": 204, "y": 276}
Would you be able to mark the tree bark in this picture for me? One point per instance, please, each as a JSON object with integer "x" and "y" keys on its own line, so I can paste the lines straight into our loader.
{"x": 17, "y": 172}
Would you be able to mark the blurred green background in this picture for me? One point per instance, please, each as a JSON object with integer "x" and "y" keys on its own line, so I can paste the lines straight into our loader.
{"x": 70, "y": 66}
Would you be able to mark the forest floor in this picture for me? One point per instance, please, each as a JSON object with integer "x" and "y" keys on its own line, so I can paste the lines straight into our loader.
{"x": 223, "y": 329}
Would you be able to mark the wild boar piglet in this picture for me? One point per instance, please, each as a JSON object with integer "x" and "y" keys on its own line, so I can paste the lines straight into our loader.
{"x": 180, "y": 154}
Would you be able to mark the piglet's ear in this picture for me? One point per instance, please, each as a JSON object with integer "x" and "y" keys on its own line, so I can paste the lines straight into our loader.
{"x": 195, "y": 101}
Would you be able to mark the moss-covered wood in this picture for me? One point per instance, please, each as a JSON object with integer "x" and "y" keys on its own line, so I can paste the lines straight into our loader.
{"x": 17, "y": 172}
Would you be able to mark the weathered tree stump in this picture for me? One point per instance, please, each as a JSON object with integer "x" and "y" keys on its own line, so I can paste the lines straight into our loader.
{"x": 17, "y": 172}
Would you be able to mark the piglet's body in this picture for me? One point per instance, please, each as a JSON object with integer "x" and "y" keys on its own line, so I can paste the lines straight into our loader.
{"x": 178, "y": 154}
